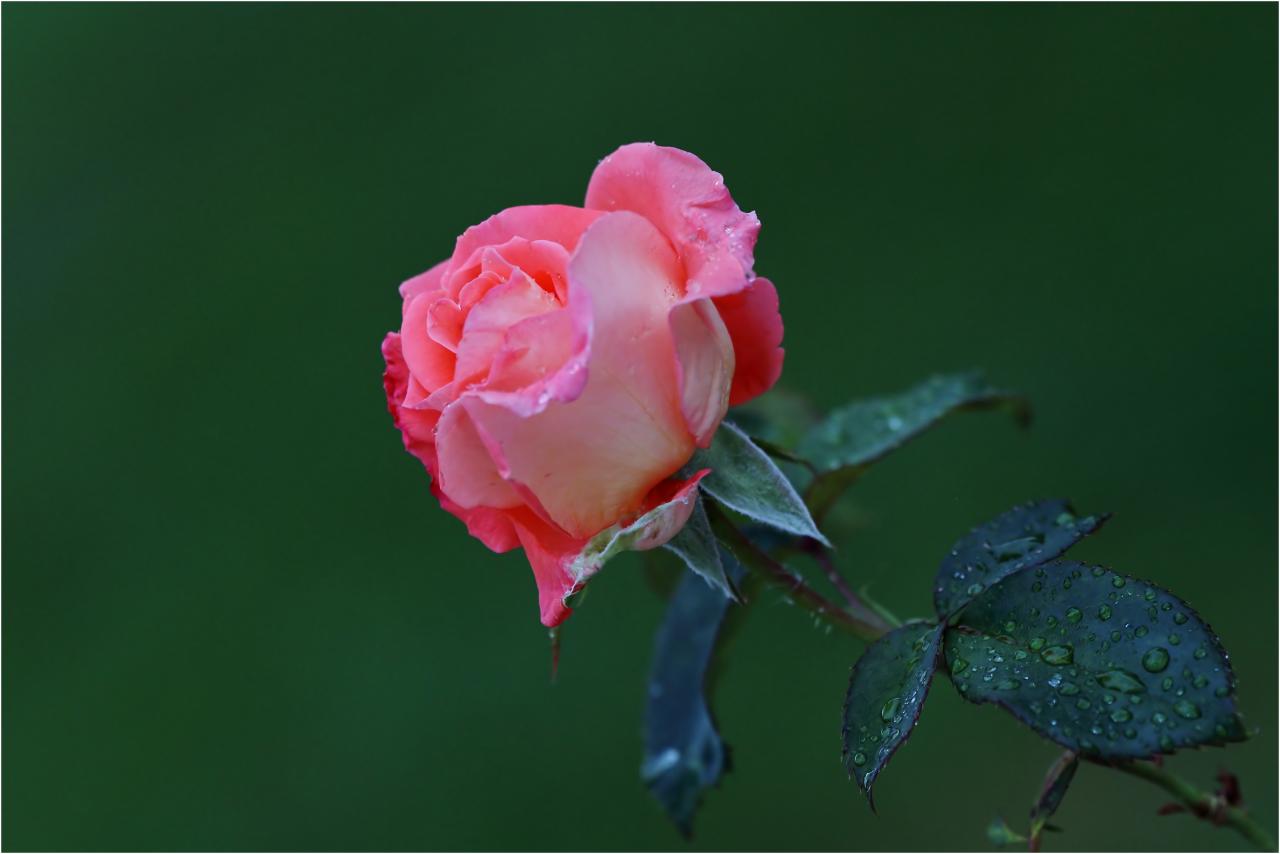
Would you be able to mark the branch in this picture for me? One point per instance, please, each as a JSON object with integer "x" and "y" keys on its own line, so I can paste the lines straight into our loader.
{"x": 867, "y": 624}
{"x": 1206, "y": 805}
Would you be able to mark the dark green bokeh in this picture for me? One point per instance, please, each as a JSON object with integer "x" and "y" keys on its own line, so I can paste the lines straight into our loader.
{"x": 235, "y": 618}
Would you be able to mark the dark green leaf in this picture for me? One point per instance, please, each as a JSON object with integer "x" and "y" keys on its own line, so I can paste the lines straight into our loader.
{"x": 1106, "y": 665}
{"x": 696, "y": 546}
{"x": 743, "y": 478}
{"x": 854, "y": 436}
{"x": 1052, "y": 792}
{"x": 1027, "y": 535}
{"x": 684, "y": 754}
{"x": 886, "y": 692}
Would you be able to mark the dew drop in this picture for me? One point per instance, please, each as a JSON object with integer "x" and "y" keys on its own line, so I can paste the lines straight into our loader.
{"x": 1074, "y": 615}
{"x": 1179, "y": 618}
{"x": 1058, "y": 654}
{"x": 1122, "y": 681}
{"x": 1156, "y": 660}
{"x": 1117, "y": 582}
{"x": 1187, "y": 709}
{"x": 1104, "y": 612}
{"x": 859, "y": 758}
{"x": 1121, "y": 715}
{"x": 889, "y": 710}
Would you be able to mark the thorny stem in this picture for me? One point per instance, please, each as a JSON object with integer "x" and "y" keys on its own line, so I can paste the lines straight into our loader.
{"x": 858, "y": 620}
{"x": 865, "y": 609}
{"x": 1205, "y": 805}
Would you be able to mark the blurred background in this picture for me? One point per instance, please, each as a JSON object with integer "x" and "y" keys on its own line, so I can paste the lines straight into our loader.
{"x": 234, "y": 618}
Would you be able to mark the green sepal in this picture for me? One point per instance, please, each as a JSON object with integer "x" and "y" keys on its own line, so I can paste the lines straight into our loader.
{"x": 853, "y": 437}
{"x": 886, "y": 692}
{"x": 1103, "y": 664}
{"x": 1001, "y": 835}
{"x": 697, "y": 547}
{"x": 684, "y": 754}
{"x": 744, "y": 478}
{"x": 1027, "y": 535}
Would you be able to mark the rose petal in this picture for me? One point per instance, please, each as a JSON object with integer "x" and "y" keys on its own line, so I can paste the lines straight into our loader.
{"x": 491, "y": 527}
{"x": 486, "y": 325}
{"x": 563, "y": 564}
{"x": 423, "y": 282}
{"x": 690, "y": 204}
{"x": 429, "y": 363}
{"x": 755, "y": 327}
{"x": 467, "y": 471}
{"x": 705, "y": 362}
{"x": 591, "y": 460}
{"x": 560, "y": 224}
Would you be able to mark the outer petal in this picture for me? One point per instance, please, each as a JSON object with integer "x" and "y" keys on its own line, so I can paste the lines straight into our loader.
{"x": 416, "y": 427}
{"x": 424, "y": 282}
{"x": 492, "y": 527}
{"x": 755, "y": 327}
{"x": 562, "y": 564}
{"x": 705, "y": 366}
{"x": 689, "y": 203}
{"x": 466, "y": 471}
{"x": 591, "y": 460}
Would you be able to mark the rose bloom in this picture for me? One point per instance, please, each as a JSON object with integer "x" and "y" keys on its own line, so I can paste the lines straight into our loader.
{"x": 556, "y": 372}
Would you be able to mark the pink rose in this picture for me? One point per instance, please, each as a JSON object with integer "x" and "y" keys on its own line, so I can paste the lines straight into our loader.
{"x": 560, "y": 368}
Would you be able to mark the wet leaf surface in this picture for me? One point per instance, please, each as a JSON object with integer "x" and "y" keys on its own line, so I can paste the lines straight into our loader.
{"x": 853, "y": 437}
{"x": 1027, "y": 535}
{"x": 886, "y": 692}
{"x": 1105, "y": 665}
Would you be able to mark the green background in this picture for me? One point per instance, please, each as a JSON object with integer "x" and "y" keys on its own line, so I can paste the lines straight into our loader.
{"x": 235, "y": 618}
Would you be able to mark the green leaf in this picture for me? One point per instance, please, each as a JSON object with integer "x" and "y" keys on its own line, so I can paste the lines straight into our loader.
{"x": 1105, "y": 665}
{"x": 1056, "y": 782}
{"x": 886, "y": 693}
{"x": 853, "y": 437}
{"x": 1027, "y": 535}
{"x": 743, "y": 478}
{"x": 684, "y": 754}
{"x": 696, "y": 546}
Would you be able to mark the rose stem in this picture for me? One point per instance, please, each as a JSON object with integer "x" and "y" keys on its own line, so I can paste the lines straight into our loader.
{"x": 867, "y": 625}
{"x": 864, "y": 610}
{"x": 1202, "y": 804}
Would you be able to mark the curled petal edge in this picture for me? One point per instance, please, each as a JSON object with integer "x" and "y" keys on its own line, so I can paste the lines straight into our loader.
{"x": 563, "y": 565}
